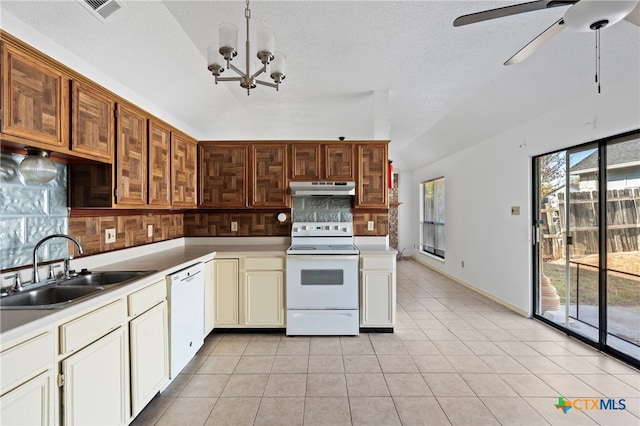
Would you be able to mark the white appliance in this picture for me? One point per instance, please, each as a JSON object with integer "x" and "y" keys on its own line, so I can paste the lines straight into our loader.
{"x": 186, "y": 316}
{"x": 322, "y": 280}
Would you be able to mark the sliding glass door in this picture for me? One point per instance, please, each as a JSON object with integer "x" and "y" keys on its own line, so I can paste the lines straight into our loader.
{"x": 587, "y": 236}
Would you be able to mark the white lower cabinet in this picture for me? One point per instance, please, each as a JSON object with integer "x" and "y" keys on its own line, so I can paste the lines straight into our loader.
{"x": 377, "y": 291}
{"x": 249, "y": 292}
{"x": 29, "y": 404}
{"x": 149, "y": 345}
{"x": 95, "y": 385}
{"x": 209, "y": 297}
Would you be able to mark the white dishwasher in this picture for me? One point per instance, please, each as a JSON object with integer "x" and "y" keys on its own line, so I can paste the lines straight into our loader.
{"x": 186, "y": 316}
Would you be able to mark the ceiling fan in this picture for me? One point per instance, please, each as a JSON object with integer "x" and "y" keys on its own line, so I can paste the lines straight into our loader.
{"x": 582, "y": 16}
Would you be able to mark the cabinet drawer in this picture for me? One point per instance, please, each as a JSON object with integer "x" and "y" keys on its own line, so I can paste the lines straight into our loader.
{"x": 90, "y": 327}
{"x": 386, "y": 263}
{"x": 25, "y": 360}
{"x": 146, "y": 298}
{"x": 264, "y": 263}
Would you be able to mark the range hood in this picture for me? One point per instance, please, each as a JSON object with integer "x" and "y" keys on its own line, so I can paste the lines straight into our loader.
{"x": 322, "y": 188}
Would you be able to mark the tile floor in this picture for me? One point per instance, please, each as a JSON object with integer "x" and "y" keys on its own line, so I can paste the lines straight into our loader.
{"x": 456, "y": 357}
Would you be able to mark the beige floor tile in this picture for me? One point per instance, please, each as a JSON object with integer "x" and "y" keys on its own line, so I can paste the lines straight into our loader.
{"x": 245, "y": 385}
{"x": 576, "y": 365}
{"x": 547, "y": 409}
{"x": 609, "y": 386}
{"x": 407, "y": 385}
{"x": 569, "y": 386}
{"x": 280, "y": 411}
{"x": 430, "y": 324}
{"x": 452, "y": 347}
{"x": 187, "y": 411}
{"x": 293, "y": 347}
{"x": 433, "y": 364}
{"x": 540, "y": 365}
{"x": 357, "y": 347}
{"x": 262, "y": 347}
{"x": 388, "y": 347}
{"x": 420, "y": 411}
{"x": 517, "y": 349}
{"x": 254, "y": 364}
{"x": 498, "y": 335}
{"x": 528, "y": 385}
{"x": 176, "y": 386}
{"x": 326, "y": 384}
{"x": 290, "y": 364}
{"x": 632, "y": 380}
{"x": 361, "y": 364}
{"x": 614, "y": 417}
{"x": 420, "y": 347}
{"x": 411, "y": 334}
{"x": 209, "y": 343}
{"x": 513, "y": 411}
{"x": 397, "y": 364}
{"x": 194, "y": 364}
{"x": 466, "y": 410}
{"x": 548, "y": 348}
{"x": 447, "y": 384}
{"x": 484, "y": 347}
{"x": 367, "y": 385}
{"x": 153, "y": 411}
{"x": 488, "y": 385}
{"x": 230, "y": 347}
{"x": 205, "y": 385}
{"x": 503, "y": 364}
{"x": 325, "y": 364}
{"x": 329, "y": 411}
{"x": 325, "y": 345}
{"x": 373, "y": 411}
{"x": 611, "y": 365}
{"x": 234, "y": 412}
{"x": 286, "y": 385}
{"x": 468, "y": 364}
{"x": 438, "y": 335}
{"x": 219, "y": 364}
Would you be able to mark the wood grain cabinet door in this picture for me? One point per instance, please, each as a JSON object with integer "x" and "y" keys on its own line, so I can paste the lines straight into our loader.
{"x": 131, "y": 157}
{"x": 305, "y": 161}
{"x": 92, "y": 121}
{"x": 159, "y": 165}
{"x": 269, "y": 185}
{"x": 372, "y": 176}
{"x": 34, "y": 99}
{"x": 223, "y": 175}
{"x": 338, "y": 162}
{"x": 184, "y": 153}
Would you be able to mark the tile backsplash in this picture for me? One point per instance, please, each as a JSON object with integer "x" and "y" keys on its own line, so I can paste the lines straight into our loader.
{"x": 320, "y": 208}
{"x": 29, "y": 212}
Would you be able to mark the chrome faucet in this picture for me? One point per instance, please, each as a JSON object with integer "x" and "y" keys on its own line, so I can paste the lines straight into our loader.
{"x": 36, "y": 277}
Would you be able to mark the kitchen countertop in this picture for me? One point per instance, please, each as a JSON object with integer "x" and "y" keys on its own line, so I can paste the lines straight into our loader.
{"x": 376, "y": 249}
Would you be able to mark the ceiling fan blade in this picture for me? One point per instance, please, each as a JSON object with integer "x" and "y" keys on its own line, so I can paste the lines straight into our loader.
{"x": 515, "y": 9}
{"x": 634, "y": 16}
{"x": 534, "y": 44}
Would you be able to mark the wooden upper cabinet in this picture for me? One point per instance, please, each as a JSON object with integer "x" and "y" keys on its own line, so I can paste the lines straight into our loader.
{"x": 223, "y": 175}
{"x": 338, "y": 162}
{"x": 184, "y": 154}
{"x": 372, "y": 176}
{"x": 305, "y": 161}
{"x": 35, "y": 99}
{"x": 269, "y": 173}
{"x": 131, "y": 157}
{"x": 159, "y": 165}
{"x": 92, "y": 121}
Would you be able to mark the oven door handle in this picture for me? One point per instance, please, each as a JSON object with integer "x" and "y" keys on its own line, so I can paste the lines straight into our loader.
{"x": 316, "y": 257}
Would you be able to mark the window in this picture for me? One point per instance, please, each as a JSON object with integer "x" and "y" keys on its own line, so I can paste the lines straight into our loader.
{"x": 432, "y": 221}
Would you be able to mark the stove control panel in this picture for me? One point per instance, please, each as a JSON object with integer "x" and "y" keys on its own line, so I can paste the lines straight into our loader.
{"x": 312, "y": 229}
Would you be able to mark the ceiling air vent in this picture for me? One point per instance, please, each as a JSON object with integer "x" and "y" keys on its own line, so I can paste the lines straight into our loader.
{"x": 101, "y": 9}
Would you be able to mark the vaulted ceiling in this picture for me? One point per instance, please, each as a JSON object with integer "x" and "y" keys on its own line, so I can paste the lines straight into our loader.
{"x": 394, "y": 70}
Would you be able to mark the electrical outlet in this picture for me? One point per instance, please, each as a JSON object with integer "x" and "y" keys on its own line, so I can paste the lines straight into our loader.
{"x": 234, "y": 226}
{"x": 370, "y": 225}
{"x": 110, "y": 235}
{"x": 462, "y": 264}
{"x": 149, "y": 230}
{"x": 515, "y": 210}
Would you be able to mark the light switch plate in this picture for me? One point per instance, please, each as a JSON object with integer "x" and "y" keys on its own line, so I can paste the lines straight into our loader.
{"x": 370, "y": 225}
{"x": 234, "y": 226}
{"x": 110, "y": 235}
{"x": 149, "y": 230}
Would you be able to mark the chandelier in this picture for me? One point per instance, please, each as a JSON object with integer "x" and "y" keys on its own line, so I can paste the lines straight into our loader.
{"x": 227, "y": 47}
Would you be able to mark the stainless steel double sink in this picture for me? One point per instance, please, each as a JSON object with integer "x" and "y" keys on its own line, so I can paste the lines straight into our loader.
{"x": 73, "y": 290}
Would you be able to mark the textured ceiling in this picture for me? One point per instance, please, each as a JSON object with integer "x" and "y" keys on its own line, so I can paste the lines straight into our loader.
{"x": 376, "y": 69}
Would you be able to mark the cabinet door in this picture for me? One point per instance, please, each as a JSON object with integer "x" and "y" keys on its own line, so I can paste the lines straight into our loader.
{"x": 223, "y": 175}
{"x": 29, "y": 404}
{"x": 209, "y": 297}
{"x": 95, "y": 387}
{"x": 269, "y": 186}
{"x": 34, "y": 99}
{"x": 159, "y": 165}
{"x": 184, "y": 161}
{"x": 338, "y": 162}
{"x": 263, "y": 298}
{"x": 226, "y": 292}
{"x": 92, "y": 121}
{"x": 372, "y": 176}
{"x": 149, "y": 335}
{"x": 131, "y": 157}
{"x": 378, "y": 299}
{"x": 305, "y": 161}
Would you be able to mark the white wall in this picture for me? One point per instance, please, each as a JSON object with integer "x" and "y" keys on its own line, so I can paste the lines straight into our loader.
{"x": 484, "y": 181}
